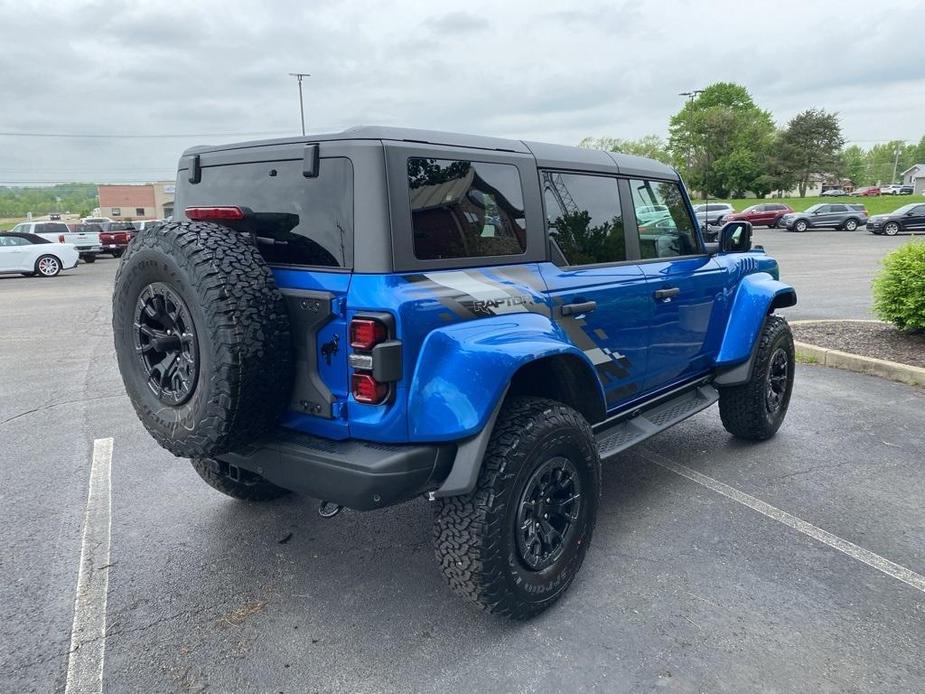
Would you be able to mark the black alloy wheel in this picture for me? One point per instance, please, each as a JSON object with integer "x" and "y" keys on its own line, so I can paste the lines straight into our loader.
{"x": 778, "y": 379}
{"x": 549, "y": 508}
{"x": 166, "y": 344}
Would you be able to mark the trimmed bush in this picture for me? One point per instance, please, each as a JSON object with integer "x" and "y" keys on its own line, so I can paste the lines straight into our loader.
{"x": 899, "y": 289}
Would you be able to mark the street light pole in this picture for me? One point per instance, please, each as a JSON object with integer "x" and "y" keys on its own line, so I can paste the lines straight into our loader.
{"x": 691, "y": 95}
{"x": 299, "y": 76}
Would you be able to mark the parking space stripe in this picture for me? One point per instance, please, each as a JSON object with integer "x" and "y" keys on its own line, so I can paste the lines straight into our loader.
{"x": 88, "y": 633}
{"x": 852, "y": 550}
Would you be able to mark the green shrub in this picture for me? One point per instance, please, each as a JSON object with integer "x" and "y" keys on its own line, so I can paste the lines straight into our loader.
{"x": 899, "y": 289}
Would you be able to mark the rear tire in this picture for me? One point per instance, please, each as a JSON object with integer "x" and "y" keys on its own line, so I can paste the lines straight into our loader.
{"x": 117, "y": 254}
{"x": 515, "y": 543}
{"x": 756, "y": 409}
{"x": 236, "y": 482}
{"x": 89, "y": 258}
{"x": 850, "y": 225}
{"x": 47, "y": 266}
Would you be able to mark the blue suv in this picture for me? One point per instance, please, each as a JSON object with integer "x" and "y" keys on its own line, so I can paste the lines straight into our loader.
{"x": 379, "y": 314}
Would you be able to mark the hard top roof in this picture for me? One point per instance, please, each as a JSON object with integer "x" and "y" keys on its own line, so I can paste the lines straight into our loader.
{"x": 546, "y": 155}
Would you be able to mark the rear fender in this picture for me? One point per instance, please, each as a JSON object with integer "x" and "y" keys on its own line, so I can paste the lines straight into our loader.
{"x": 464, "y": 369}
{"x": 758, "y": 295}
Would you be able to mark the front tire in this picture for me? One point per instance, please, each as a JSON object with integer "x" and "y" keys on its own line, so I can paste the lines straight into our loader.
{"x": 235, "y": 482}
{"x": 515, "y": 543}
{"x": 891, "y": 229}
{"x": 756, "y": 409}
{"x": 800, "y": 226}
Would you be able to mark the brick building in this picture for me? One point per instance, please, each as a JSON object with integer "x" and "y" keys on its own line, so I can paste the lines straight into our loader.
{"x": 148, "y": 201}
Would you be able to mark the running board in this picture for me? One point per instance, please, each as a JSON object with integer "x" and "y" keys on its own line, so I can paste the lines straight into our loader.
{"x": 628, "y": 432}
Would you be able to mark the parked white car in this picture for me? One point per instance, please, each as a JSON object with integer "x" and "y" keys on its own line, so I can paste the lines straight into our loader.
{"x": 85, "y": 237}
{"x": 894, "y": 189}
{"x": 29, "y": 254}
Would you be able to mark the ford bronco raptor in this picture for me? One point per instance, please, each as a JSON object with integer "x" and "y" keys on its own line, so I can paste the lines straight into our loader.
{"x": 374, "y": 315}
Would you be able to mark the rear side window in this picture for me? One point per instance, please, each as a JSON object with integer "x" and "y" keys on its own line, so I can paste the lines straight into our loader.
{"x": 296, "y": 220}
{"x": 671, "y": 234}
{"x": 584, "y": 217}
{"x": 465, "y": 209}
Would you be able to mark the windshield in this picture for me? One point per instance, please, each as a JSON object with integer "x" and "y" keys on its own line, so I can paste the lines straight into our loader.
{"x": 813, "y": 208}
{"x": 753, "y": 208}
{"x": 905, "y": 208}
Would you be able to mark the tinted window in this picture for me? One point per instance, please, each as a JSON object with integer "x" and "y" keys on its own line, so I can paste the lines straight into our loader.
{"x": 584, "y": 217}
{"x": 673, "y": 234}
{"x": 465, "y": 209}
{"x": 296, "y": 220}
{"x": 838, "y": 208}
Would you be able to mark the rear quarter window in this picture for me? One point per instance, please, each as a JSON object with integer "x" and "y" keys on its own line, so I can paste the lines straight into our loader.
{"x": 465, "y": 209}
{"x": 296, "y": 220}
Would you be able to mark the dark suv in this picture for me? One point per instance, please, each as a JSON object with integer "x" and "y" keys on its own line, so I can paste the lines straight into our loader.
{"x": 845, "y": 216}
{"x": 378, "y": 314}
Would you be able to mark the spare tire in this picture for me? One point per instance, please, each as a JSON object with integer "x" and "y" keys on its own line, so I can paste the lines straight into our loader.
{"x": 202, "y": 337}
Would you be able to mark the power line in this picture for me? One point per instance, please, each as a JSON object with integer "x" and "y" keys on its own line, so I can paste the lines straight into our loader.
{"x": 124, "y": 136}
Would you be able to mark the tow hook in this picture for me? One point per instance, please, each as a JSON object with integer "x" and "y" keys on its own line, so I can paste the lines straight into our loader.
{"x": 328, "y": 509}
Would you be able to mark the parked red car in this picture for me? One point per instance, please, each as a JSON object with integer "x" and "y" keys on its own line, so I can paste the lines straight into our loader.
{"x": 766, "y": 214}
{"x": 115, "y": 236}
{"x": 867, "y": 191}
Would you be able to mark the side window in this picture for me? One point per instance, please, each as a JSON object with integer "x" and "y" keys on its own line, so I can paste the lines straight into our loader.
{"x": 838, "y": 208}
{"x": 465, "y": 209}
{"x": 670, "y": 234}
{"x": 583, "y": 215}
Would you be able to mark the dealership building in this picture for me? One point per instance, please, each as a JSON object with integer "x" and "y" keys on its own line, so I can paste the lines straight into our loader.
{"x": 148, "y": 201}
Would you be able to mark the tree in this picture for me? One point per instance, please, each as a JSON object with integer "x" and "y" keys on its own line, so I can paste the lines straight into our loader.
{"x": 721, "y": 141}
{"x": 854, "y": 165}
{"x": 810, "y": 145}
{"x": 885, "y": 158}
{"x": 651, "y": 146}
{"x": 918, "y": 153}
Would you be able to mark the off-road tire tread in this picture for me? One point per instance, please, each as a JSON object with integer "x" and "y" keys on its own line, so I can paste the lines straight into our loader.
{"x": 741, "y": 408}
{"x": 466, "y": 528}
{"x": 246, "y": 324}
{"x": 258, "y": 490}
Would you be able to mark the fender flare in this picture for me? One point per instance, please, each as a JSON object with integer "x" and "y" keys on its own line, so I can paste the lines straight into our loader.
{"x": 463, "y": 371}
{"x": 757, "y": 296}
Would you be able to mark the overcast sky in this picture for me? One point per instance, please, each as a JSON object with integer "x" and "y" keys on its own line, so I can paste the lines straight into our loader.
{"x": 555, "y": 72}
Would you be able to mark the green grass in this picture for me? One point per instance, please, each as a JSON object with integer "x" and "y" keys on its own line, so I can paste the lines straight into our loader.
{"x": 875, "y": 205}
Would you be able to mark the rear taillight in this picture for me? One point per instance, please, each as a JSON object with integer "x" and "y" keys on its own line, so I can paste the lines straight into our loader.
{"x": 366, "y": 333}
{"x": 60, "y": 238}
{"x": 376, "y": 358}
{"x": 367, "y": 389}
{"x": 215, "y": 214}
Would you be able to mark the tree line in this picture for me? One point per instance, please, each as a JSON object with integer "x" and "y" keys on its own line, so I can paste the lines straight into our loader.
{"x": 726, "y": 145}
{"x": 78, "y": 198}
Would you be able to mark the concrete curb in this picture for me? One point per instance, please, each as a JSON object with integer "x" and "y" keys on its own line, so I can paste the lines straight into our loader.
{"x": 894, "y": 371}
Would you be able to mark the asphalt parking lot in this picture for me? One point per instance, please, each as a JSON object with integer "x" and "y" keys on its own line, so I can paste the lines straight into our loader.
{"x": 695, "y": 581}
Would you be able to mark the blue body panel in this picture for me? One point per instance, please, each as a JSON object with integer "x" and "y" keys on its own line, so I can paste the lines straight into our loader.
{"x": 754, "y": 293}
{"x": 464, "y": 333}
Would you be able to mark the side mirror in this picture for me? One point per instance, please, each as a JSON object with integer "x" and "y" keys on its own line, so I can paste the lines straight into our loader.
{"x": 736, "y": 237}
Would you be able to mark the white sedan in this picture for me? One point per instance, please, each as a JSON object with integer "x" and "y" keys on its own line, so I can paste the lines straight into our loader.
{"x": 29, "y": 254}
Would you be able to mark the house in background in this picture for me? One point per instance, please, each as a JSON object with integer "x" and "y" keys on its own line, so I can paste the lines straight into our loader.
{"x": 915, "y": 176}
{"x": 148, "y": 201}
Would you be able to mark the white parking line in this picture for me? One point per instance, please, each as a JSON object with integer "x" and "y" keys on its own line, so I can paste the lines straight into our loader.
{"x": 852, "y": 550}
{"x": 88, "y": 633}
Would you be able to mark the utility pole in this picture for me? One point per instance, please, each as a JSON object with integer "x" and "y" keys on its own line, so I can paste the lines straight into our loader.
{"x": 299, "y": 76}
{"x": 691, "y": 95}
{"x": 896, "y": 162}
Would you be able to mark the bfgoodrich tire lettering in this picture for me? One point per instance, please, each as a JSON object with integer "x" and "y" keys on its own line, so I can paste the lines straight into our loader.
{"x": 755, "y": 410}
{"x": 240, "y": 329}
{"x": 475, "y": 535}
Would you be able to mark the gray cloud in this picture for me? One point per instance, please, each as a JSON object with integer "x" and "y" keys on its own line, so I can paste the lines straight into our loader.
{"x": 555, "y": 72}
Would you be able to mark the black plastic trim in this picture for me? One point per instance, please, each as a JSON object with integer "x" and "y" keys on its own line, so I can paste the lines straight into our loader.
{"x": 356, "y": 474}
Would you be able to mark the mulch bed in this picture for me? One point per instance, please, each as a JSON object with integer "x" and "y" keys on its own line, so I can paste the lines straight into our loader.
{"x": 879, "y": 340}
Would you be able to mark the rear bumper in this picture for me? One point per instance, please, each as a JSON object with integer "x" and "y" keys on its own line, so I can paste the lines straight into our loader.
{"x": 356, "y": 474}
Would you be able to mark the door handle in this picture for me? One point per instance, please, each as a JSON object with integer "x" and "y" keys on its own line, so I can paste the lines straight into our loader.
{"x": 667, "y": 293}
{"x": 581, "y": 307}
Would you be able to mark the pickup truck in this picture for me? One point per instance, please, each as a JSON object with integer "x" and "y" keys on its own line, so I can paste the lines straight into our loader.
{"x": 84, "y": 237}
{"x": 115, "y": 236}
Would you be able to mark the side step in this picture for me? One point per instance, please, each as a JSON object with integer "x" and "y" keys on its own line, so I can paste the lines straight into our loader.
{"x": 628, "y": 432}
